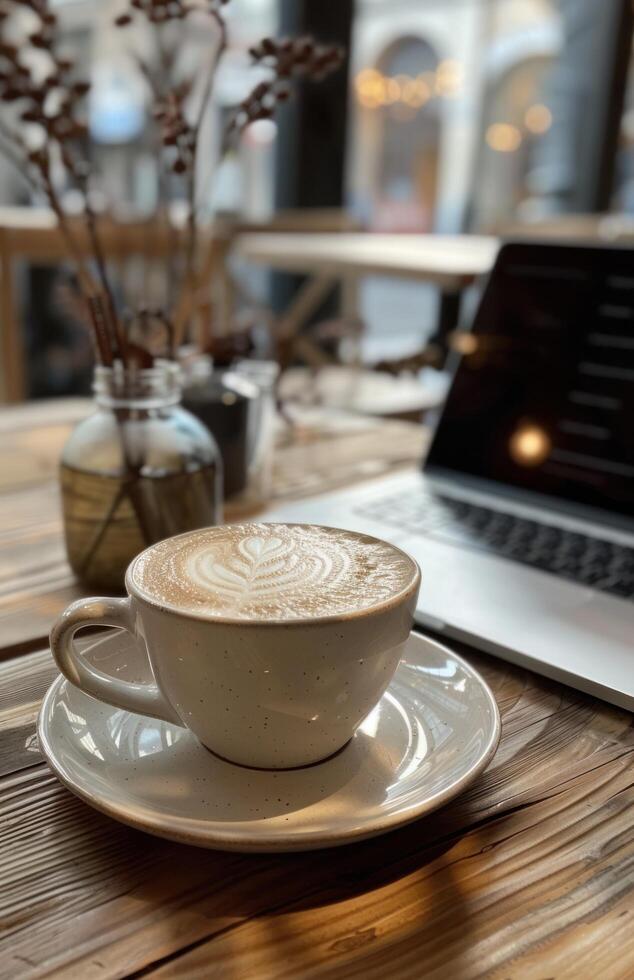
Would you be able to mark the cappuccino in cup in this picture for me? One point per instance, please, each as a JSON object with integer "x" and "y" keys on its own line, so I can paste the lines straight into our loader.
{"x": 271, "y": 642}
{"x": 272, "y": 572}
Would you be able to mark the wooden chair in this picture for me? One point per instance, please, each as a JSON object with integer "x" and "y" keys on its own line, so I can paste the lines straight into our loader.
{"x": 31, "y": 235}
{"x": 139, "y": 249}
{"x": 230, "y": 290}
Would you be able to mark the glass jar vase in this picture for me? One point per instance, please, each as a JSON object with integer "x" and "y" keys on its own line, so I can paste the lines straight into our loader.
{"x": 138, "y": 470}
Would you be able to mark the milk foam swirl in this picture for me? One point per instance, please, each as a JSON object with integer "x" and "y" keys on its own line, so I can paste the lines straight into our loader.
{"x": 266, "y": 567}
{"x": 272, "y": 571}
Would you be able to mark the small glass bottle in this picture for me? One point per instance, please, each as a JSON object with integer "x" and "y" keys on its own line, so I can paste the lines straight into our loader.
{"x": 140, "y": 469}
{"x": 223, "y": 403}
{"x": 264, "y": 376}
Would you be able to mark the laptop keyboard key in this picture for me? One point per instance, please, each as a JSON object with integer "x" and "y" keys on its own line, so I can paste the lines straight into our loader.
{"x": 587, "y": 560}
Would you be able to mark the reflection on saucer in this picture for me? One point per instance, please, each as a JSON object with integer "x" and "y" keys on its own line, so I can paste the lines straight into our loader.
{"x": 432, "y": 732}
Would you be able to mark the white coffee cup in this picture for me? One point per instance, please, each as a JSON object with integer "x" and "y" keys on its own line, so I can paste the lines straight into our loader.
{"x": 258, "y": 690}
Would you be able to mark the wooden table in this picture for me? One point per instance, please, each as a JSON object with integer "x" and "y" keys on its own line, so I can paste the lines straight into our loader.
{"x": 132, "y": 246}
{"x": 528, "y": 875}
{"x": 32, "y": 235}
{"x": 450, "y": 262}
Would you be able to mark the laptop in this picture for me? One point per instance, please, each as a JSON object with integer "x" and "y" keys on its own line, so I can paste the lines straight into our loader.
{"x": 522, "y": 518}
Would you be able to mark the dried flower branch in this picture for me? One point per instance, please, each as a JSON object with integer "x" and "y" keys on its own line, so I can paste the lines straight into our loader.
{"x": 49, "y": 127}
{"x": 221, "y": 46}
{"x": 289, "y": 60}
{"x": 49, "y": 108}
{"x": 180, "y": 135}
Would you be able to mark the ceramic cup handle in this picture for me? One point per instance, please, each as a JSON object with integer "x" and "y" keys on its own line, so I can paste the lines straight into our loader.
{"x": 144, "y": 699}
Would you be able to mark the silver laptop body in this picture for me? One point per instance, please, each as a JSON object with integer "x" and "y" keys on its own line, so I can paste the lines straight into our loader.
{"x": 523, "y": 519}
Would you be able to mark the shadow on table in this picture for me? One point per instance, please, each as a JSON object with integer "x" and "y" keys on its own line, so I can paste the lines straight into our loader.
{"x": 224, "y": 889}
{"x": 414, "y": 890}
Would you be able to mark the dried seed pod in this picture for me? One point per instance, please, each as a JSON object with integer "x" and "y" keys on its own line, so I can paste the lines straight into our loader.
{"x": 62, "y": 127}
{"x": 304, "y": 47}
{"x": 80, "y": 129}
{"x": 300, "y": 58}
{"x": 39, "y": 40}
{"x": 40, "y": 159}
{"x": 80, "y": 89}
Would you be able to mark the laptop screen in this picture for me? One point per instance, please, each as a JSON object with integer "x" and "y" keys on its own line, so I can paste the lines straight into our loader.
{"x": 543, "y": 398}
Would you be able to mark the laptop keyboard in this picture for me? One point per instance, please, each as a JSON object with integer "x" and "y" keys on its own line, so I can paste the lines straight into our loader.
{"x": 586, "y": 560}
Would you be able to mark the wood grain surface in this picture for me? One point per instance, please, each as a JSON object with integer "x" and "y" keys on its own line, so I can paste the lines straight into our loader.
{"x": 527, "y": 876}
{"x": 36, "y": 582}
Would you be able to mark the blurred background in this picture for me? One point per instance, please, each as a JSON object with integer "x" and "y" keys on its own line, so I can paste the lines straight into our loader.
{"x": 453, "y": 117}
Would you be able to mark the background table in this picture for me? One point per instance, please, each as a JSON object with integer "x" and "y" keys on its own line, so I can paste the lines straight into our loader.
{"x": 450, "y": 262}
{"x": 528, "y": 875}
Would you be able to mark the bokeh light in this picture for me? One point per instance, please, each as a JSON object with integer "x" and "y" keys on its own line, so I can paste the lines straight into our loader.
{"x": 503, "y": 137}
{"x": 530, "y": 445}
{"x": 538, "y": 118}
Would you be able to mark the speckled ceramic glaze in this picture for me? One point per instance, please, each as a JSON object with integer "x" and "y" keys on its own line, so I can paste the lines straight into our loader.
{"x": 271, "y": 692}
{"x": 433, "y": 731}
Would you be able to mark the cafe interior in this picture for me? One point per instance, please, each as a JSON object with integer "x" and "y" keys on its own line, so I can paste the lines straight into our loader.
{"x": 316, "y": 489}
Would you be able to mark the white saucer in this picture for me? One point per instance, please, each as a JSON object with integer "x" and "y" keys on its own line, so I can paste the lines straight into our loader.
{"x": 434, "y": 731}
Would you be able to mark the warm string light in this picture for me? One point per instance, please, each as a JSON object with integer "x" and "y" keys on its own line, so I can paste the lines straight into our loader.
{"x": 374, "y": 89}
{"x": 449, "y": 78}
{"x": 538, "y": 119}
{"x": 404, "y": 94}
{"x": 503, "y": 137}
{"x": 507, "y": 138}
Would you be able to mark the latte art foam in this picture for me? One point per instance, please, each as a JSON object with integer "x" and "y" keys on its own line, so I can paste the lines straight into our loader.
{"x": 272, "y": 571}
